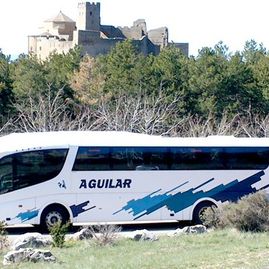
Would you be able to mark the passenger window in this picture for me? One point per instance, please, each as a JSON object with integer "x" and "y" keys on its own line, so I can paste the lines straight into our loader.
{"x": 25, "y": 169}
{"x": 247, "y": 158}
{"x": 121, "y": 159}
{"x": 149, "y": 158}
{"x": 175, "y": 158}
{"x": 138, "y": 158}
{"x": 198, "y": 158}
{"x": 6, "y": 175}
{"x": 92, "y": 159}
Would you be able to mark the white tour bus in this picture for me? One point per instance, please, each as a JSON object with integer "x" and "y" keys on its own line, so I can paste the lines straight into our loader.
{"x": 120, "y": 177}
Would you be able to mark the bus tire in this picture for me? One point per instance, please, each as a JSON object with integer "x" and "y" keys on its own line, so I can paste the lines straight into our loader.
{"x": 52, "y": 214}
{"x": 200, "y": 209}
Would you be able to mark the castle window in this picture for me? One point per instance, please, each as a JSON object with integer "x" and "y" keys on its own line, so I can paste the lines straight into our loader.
{"x": 40, "y": 48}
{"x": 90, "y": 13}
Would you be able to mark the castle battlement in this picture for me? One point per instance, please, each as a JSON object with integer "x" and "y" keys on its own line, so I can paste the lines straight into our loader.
{"x": 94, "y": 4}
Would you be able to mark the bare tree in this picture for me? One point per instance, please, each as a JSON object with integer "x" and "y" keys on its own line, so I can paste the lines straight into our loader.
{"x": 141, "y": 114}
{"x": 137, "y": 114}
{"x": 5, "y": 127}
{"x": 48, "y": 112}
{"x": 196, "y": 126}
{"x": 254, "y": 125}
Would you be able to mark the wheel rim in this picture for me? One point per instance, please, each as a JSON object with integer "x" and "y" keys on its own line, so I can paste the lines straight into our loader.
{"x": 53, "y": 217}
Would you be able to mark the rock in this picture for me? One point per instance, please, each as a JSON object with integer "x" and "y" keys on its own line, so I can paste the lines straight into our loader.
{"x": 177, "y": 232}
{"x": 30, "y": 240}
{"x": 144, "y": 235}
{"x": 83, "y": 234}
{"x": 28, "y": 254}
{"x": 41, "y": 255}
{"x": 196, "y": 229}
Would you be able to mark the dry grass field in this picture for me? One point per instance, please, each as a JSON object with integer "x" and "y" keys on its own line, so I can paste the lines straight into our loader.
{"x": 227, "y": 249}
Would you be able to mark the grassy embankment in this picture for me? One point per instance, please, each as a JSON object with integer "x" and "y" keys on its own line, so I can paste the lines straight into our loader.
{"x": 219, "y": 249}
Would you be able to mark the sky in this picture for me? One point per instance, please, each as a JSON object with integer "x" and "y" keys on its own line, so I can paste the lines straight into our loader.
{"x": 201, "y": 23}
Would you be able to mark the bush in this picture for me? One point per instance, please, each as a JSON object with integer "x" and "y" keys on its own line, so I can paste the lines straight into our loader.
{"x": 3, "y": 236}
{"x": 58, "y": 232}
{"x": 103, "y": 235}
{"x": 211, "y": 217}
{"x": 251, "y": 213}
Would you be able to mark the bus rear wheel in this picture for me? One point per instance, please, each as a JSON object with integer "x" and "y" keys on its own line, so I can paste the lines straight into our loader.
{"x": 53, "y": 214}
{"x": 200, "y": 209}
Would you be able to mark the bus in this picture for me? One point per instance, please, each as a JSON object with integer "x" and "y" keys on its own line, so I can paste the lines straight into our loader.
{"x": 121, "y": 177}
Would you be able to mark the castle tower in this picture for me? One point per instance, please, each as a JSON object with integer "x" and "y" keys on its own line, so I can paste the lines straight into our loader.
{"x": 88, "y": 16}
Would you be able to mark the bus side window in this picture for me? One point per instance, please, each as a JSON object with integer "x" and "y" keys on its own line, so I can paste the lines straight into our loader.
{"x": 92, "y": 159}
{"x": 247, "y": 158}
{"x": 6, "y": 174}
{"x": 24, "y": 169}
{"x": 197, "y": 158}
{"x": 37, "y": 166}
{"x": 121, "y": 159}
{"x": 150, "y": 158}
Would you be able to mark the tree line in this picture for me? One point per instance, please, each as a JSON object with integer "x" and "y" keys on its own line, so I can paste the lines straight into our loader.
{"x": 215, "y": 92}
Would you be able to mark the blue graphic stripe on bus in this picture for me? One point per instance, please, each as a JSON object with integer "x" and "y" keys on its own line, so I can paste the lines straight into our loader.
{"x": 27, "y": 215}
{"x": 78, "y": 209}
{"x": 239, "y": 189}
{"x": 138, "y": 206}
{"x": 181, "y": 200}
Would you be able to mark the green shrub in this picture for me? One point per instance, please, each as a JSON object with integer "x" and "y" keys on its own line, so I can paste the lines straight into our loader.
{"x": 58, "y": 232}
{"x": 251, "y": 213}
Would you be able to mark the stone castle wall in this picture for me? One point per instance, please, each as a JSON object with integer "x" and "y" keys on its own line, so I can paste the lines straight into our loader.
{"x": 94, "y": 38}
{"x": 43, "y": 47}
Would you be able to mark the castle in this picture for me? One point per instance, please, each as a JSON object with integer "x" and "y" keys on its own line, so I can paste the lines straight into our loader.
{"x": 60, "y": 34}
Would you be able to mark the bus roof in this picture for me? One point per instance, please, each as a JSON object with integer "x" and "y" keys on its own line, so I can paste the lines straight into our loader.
{"x": 24, "y": 141}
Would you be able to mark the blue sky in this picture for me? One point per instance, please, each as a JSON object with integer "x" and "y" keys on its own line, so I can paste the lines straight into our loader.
{"x": 199, "y": 22}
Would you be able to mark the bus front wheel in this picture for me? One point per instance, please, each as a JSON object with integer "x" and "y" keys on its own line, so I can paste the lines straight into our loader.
{"x": 53, "y": 214}
{"x": 199, "y": 210}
